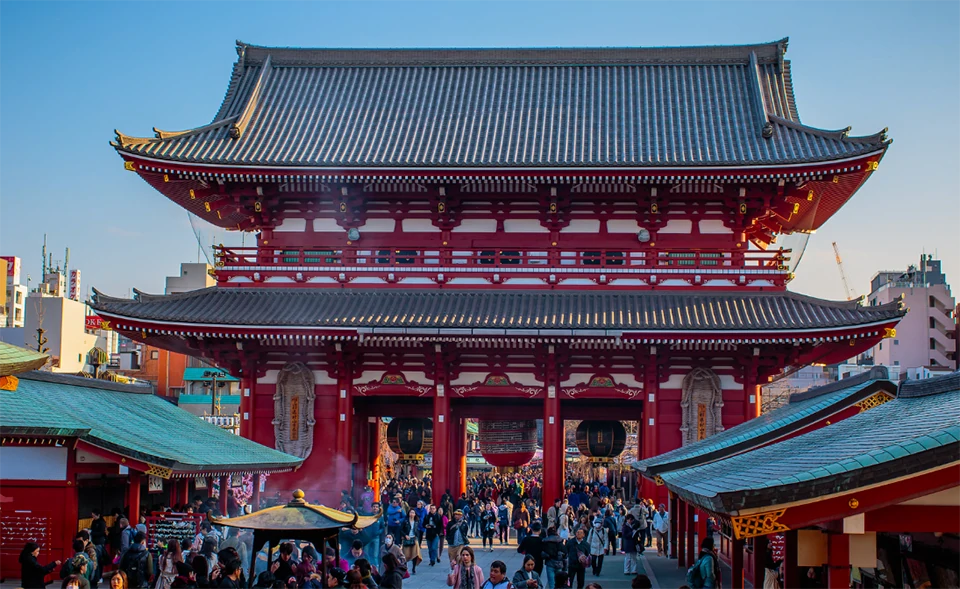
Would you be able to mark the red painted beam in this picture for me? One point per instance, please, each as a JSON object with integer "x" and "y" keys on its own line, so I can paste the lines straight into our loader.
{"x": 914, "y": 519}
{"x": 863, "y": 500}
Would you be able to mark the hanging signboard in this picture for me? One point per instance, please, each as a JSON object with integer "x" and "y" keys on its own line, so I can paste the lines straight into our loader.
{"x": 200, "y": 482}
{"x": 236, "y": 480}
{"x": 154, "y": 484}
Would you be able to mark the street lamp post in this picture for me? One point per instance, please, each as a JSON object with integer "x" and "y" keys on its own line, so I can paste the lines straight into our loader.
{"x": 215, "y": 384}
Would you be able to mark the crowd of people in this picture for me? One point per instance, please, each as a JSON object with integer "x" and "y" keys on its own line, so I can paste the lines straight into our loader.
{"x": 563, "y": 544}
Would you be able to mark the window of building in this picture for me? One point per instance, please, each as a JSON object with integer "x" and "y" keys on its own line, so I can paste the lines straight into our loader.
{"x": 933, "y": 362}
{"x": 881, "y": 346}
{"x": 154, "y": 354}
{"x": 933, "y": 302}
{"x": 933, "y": 323}
{"x": 933, "y": 344}
{"x": 896, "y": 342}
{"x": 896, "y": 362}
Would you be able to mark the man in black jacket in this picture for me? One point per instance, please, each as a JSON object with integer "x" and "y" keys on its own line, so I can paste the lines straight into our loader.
{"x": 433, "y": 526}
{"x": 533, "y": 545}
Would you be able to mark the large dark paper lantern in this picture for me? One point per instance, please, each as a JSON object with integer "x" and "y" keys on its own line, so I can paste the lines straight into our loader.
{"x": 506, "y": 444}
{"x": 410, "y": 438}
{"x": 601, "y": 440}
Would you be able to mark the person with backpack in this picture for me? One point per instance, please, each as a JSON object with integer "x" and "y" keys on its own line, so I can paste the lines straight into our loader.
{"x": 137, "y": 562}
{"x": 705, "y": 572}
{"x": 503, "y": 522}
{"x": 168, "y": 564}
{"x": 80, "y": 567}
{"x": 554, "y": 556}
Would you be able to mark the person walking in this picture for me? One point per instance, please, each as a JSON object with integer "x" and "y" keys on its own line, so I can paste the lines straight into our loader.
{"x": 411, "y": 547}
{"x": 533, "y": 545}
{"x": 392, "y": 577}
{"x": 433, "y": 529}
{"x": 498, "y": 576}
{"x": 629, "y": 539}
{"x": 466, "y": 574}
{"x": 488, "y": 525}
{"x": 597, "y": 539}
{"x": 661, "y": 525}
{"x": 554, "y": 556}
{"x": 503, "y": 521}
{"x": 578, "y": 557}
{"x": 394, "y": 517}
{"x": 457, "y": 538}
{"x": 705, "y": 572}
{"x": 168, "y": 564}
{"x": 421, "y": 518}
{"x": 521, "y": 521}
{"x": 527, "y": 578}
{"x": 32, "y": 573}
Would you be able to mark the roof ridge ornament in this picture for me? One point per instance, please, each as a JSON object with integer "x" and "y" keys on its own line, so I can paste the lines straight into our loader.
{"x": 766, "y": 127}
{"x": 236, "y": 130}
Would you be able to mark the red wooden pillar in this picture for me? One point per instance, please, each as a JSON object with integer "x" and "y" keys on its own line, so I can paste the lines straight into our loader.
{"x": 71, "y": 511}
{"x": 681, "y": 542}
{"x": 255, "y": 497}
{"x": 462, "y": 457}
{"x": 224, "y": 493}
{"x": 553, "y": 450}
{"x": 184, "y": 491}
{"x": 838, "y": 555}
{"x": 453, "y": 454}
{"x": 374, "y": 432}
{"x": 344, "y": 421}
{"x": 674, "y": 515}
{"x": 441, "y": 433}
{"x": 791, "y": 572}
{"x": 692, "y": 549}
{"x": 759, "y": 554}
{"x": 133, "y": 498}
{"x": 736, "y": 564}
{"x": 649, "y": 421}
{"x": 245, "y": 403}
{"x": 701, "y": 526}
{"x": 361, "y": 433}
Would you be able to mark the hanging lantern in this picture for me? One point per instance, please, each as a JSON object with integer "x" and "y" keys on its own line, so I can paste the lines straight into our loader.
{"x": 508, "y": 443}
{"x": 410, "y": 438}
{"x": 601, "y": 441}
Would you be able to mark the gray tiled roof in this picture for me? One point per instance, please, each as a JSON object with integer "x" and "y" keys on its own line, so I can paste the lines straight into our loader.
{"x": 137, "y": 424}
{"x": 355, "y": 108}
{"x": 567, "y": 309}
{"x": 896, "y": 439}
{"x": 813, "y": 406}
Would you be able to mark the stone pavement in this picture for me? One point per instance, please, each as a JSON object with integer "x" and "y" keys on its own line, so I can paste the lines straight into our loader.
{"x": 662, "y": 571}
{"x": 435, "y": 577}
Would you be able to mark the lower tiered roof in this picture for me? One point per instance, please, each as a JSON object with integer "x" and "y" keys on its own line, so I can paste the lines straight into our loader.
{"x": 510, "y": 312}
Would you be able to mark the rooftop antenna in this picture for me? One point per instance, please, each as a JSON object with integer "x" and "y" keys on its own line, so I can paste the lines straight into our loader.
{"x": 66, "y": 262}
{"x": 44, "y": 256}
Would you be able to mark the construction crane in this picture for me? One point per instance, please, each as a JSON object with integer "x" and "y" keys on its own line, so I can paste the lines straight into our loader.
{"x": 846, "y": 287}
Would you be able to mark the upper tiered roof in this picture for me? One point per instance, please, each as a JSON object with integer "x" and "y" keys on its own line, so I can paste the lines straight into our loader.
{"x": 506, "y": 108}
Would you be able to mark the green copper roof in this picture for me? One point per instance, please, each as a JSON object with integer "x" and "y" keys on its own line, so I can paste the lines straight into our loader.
{"x": 14, "y": 359}
{"x": 907, "y": 435}
{"x": 128, "y": 420}
{"x": 803, "y": 409}
{"x": 196, "y": 375}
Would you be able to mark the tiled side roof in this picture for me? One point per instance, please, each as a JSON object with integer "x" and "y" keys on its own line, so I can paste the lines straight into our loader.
{"x": 140, "y": 425}
{"x": 768, "y": 426}
{"x": 930, "y": 386}
{"x": 330, "y": 108}
{"x": 898, "y": 438}
{"x": 499, "y": 309}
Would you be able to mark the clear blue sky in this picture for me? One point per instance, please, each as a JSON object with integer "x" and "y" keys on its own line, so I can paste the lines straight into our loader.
{"x": 72, "y": 72}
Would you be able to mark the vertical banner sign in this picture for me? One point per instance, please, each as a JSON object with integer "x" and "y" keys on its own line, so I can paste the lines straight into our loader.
{"x": 154, "y": 484}
{"x": 294, "y": 419}
{"x": 200, "y": 482}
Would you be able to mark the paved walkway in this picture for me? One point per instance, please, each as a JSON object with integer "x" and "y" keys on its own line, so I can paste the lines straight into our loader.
{"x": 435, "y": 577}
{"x": 662, "y": 571}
